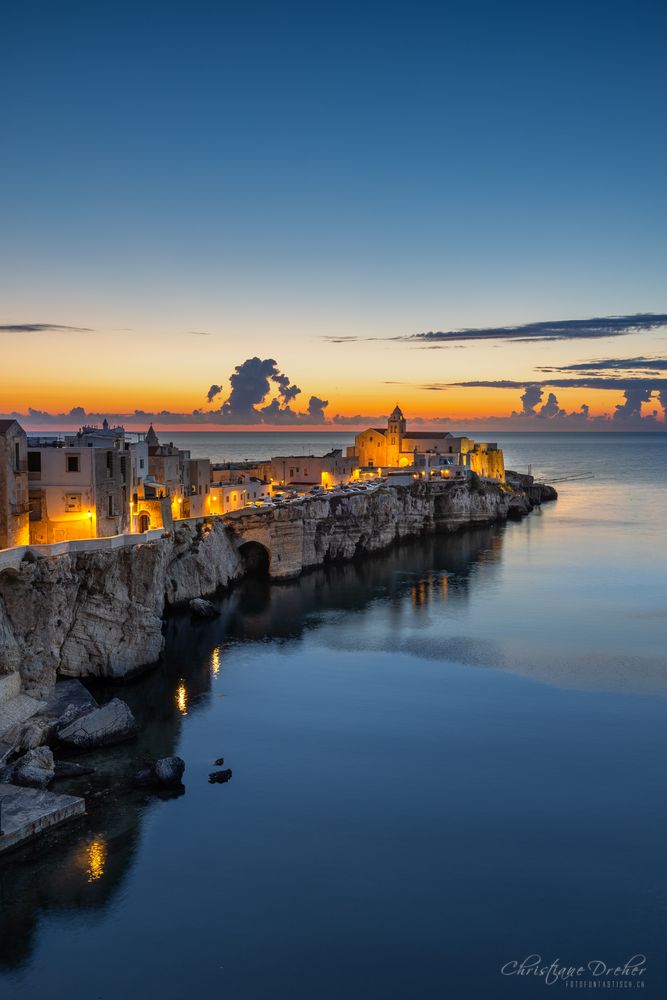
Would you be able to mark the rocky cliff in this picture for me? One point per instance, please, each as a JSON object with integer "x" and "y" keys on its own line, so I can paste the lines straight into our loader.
{"x": 100, "y": 613}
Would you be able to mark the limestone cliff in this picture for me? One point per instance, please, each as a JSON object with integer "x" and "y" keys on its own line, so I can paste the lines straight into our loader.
{"x": 100, "y": 613}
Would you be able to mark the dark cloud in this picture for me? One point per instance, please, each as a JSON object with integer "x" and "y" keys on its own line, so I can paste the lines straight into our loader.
{"x": 285, "y": 390}
{"x": 213, "y": 392}
{"x": 249, "y": 401}
{"x": 568, "y": 329}
{"x": 565, "y": 329}
{"x": 645, "y": 365}
{"x": 530, "y": 397}
{"x": 42, "y": 328}
{"x": 627, "y": 414}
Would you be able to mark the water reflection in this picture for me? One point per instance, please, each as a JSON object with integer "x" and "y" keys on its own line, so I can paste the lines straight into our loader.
{"x": 181, "y": 697}
{"x": 215, "y": 661}
{"x": 96, "y": 853}
{"x": 84, "y": 865}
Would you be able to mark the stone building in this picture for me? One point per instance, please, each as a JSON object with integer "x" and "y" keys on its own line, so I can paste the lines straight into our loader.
{"x": 80, "y": 485}
{"x": 395, "y": 447}
{"x": 312, "y": 470}
{"x": 14, "y": 501}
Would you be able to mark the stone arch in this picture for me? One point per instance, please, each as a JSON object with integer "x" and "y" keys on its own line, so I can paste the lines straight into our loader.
{"x": 143, "y": 521}
{"x": 256, "y": 558}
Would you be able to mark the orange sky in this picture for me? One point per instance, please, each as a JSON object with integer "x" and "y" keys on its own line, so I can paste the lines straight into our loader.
{"x": 123, "y": 370}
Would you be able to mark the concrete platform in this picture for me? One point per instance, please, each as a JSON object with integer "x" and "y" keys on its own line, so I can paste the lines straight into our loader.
{"x": 25, "y": 812}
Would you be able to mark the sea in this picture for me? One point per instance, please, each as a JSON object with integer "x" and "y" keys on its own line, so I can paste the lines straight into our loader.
{"x": 448, "y": 770}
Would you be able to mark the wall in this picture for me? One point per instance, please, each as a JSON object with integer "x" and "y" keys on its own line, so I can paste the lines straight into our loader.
{"x": 14, "y": 523}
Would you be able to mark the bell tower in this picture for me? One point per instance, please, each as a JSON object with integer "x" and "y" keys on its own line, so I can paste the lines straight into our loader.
{"x": 395, "y": 432}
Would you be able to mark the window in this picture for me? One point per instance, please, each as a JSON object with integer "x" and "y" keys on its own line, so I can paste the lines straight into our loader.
{"x": 34, "y": 461}
{"x": 109, "y": 464}
{"x": 72, "y": 503}
{"x": 123, "y": 468}
{"x": 141, "y": 463}
{"x": 110, "y": 505}
{"x": 17, "y": 456}
{"x": 72, "y": 463}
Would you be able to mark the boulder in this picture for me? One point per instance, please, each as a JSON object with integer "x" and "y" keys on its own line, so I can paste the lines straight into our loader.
{"x": 220, "y": 777}
{"x": 37, "y": 732}
{"x": 203, "y": 609}
{"x": 34, "y": 770}
{"x": 112, "y": 723}
{"x": 72, "y": 713}
{"x": 167, "y": 772}
{"x": 519, "y": 506}
{"x": 547, "y": 493}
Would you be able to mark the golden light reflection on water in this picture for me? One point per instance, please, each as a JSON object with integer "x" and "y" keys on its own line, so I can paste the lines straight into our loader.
{"x": 215, "y": 661}
{"x": 182, "y": 698}
{"x": 96, "y": 856}
{"x": 423, "y": 591}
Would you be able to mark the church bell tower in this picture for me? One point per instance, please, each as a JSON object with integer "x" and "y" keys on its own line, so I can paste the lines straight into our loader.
{"x": 395, "y": 432}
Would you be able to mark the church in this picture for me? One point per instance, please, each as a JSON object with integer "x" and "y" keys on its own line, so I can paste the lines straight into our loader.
{"x": 395, "y": 447}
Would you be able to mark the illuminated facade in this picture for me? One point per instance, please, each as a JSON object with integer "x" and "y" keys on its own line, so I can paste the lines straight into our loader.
{"x": 80, "y": 485}
{"x": 313, "y": 470}
{"x": 396, "y": 447}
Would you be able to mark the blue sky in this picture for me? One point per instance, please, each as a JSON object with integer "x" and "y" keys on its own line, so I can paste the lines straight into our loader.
{"x": 275, "y": 174}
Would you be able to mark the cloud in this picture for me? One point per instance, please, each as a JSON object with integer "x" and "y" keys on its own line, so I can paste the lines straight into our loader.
{"x": 250, "y": 402}
{"x": 627, "y": 415}
{"x": 568, "y": 329}
{"x": 645, "y": 365}
{"x": 565, "y": 329}
{"x": 198, "y": 333}
{"x": 531, "y": 396}
{"x": 42, "y": 328}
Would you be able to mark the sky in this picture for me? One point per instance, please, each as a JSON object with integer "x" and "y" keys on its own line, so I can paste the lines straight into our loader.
{"x": 259, "y": 198}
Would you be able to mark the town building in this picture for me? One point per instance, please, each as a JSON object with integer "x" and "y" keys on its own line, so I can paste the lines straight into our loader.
{"x": 226, "y": 497}
{"x": 174, "y": 475}
{"x": 313, "y": 470}
{"x": 14, "y": 501}
{"x": 79, "y": 485}
{"x": 395, "y": 447}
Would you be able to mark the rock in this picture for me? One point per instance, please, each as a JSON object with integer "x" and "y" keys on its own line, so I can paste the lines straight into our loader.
{"x": 71, "y": 714}
{"x": 100, "y": 613}
{"x": 547, "y": 493}
{"x": 219, "y": 762}
{"x": 145, "y": 778}
{"x": 203, "y": 609}
{"x": 167, "y": 772}
{"x": 220, "y": 777}
{"x": 113, "y": 723}
{"x": 34, "y": 770}
{"x": 519, "y": 506}
{"x": 37, "y": 732}
{"x": 65, "y": 769}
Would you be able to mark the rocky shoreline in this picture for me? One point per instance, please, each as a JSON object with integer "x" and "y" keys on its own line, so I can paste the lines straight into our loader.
{"x": 101, "y": 614}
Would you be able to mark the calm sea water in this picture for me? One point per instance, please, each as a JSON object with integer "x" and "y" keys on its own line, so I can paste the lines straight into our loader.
{"x": 445, "y": 758}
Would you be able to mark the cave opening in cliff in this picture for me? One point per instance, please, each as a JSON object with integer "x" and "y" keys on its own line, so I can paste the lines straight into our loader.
{"x": 255, "y": 558}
